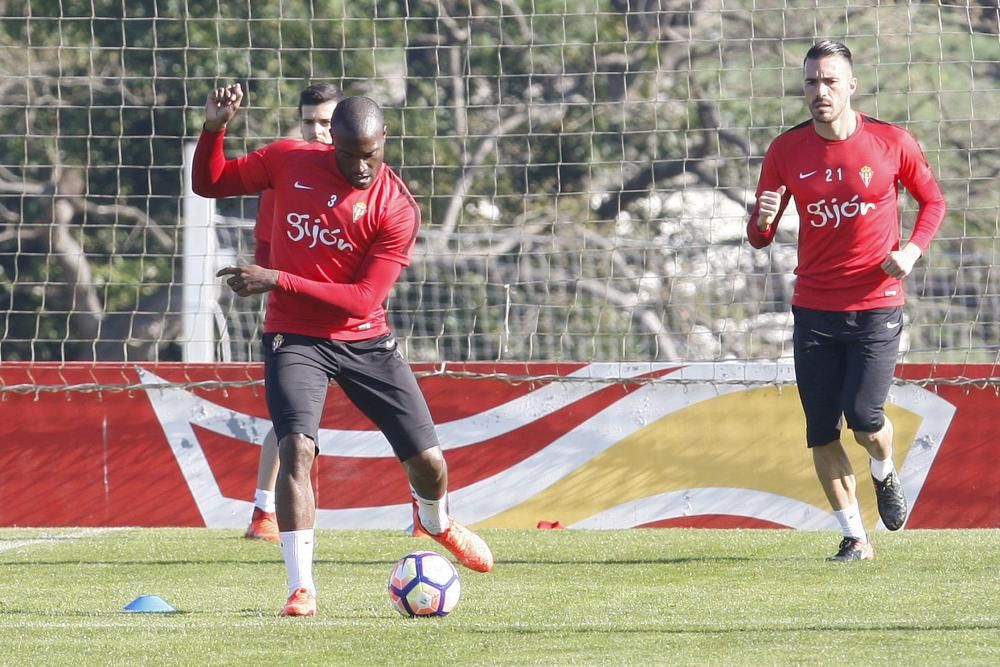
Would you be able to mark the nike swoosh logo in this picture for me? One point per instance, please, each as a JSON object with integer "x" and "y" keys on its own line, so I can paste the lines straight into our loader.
{"x": 806, "y": 174}
{"x": 892, "y": 325}
{"x": 299, "y": 186}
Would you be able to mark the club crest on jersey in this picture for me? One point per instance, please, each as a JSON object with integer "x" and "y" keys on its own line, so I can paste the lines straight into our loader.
{"x": 866, "y": 174}
{"x": 276, "y": 342}
{"x": 359, "y": 210}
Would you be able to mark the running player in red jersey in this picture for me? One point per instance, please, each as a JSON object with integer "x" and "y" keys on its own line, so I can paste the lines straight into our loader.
{"x": 843, "y": 169}
{"x": 345, "y": 226}
{"x": 316, "y": 105}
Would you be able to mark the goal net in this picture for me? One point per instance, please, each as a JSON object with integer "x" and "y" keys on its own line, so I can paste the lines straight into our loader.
{"x": 584, "y": 169}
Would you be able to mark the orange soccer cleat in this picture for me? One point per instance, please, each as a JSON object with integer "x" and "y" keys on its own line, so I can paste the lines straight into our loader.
{"x": 468, "y": 548}
{"x": 300, "y": 603}
{"x": 263, "y": 526}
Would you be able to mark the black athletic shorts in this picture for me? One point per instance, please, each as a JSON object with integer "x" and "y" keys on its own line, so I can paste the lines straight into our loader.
{"x": 844, "y": 365}
{"x": 372, "y": 374}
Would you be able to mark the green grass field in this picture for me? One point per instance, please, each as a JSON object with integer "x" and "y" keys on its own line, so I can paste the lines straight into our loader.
{"x": 635, "y": 597}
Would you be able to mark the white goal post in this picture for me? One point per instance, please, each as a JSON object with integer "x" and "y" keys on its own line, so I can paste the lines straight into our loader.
{"x": 201, "y": 294}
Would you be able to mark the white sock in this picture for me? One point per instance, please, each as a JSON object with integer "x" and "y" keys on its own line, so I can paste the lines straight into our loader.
{"x": 264, "y": 499}
{"x": 433, "y": 513}
{"x": 881, "y": 469}
{"x": 297, "y": 548}
{"x": 850, "y": 522}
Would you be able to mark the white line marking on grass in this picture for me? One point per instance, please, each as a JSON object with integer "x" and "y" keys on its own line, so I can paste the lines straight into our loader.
{"x": 50, "y": 539}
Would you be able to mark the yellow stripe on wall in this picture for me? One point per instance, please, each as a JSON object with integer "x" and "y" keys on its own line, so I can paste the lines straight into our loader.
{"x": 751, "y": 439}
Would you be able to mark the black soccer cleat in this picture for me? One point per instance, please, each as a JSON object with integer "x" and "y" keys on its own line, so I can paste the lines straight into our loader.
{"x": 891, "y": 502}
{"x": 853, "y": 548}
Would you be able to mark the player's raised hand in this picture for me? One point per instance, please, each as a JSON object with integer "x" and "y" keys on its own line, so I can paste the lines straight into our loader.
{"x": 768, "y": 204}
{"x": 221, "y": 105}
{"x": 247, "y": 280}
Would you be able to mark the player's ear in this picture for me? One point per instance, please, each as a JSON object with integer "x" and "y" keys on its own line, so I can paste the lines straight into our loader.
{"x": 852, "y": 86}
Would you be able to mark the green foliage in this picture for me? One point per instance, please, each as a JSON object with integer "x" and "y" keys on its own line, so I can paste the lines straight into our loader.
{"x": 509, "y": 120}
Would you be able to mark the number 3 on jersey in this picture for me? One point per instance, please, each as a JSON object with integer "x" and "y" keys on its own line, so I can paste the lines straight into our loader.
{"x": 332, "y": 202}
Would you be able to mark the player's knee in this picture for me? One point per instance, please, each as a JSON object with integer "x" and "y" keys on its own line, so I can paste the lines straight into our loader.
{"x": 820, "y": 437}
{"x": 429, "y": 463}
{"x": 296, "y": 452}
{"x": 866, "y": 424}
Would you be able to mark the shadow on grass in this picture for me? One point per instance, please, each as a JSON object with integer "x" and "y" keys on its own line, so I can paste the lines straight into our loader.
{"x": 102, "y": 613}
{"x": 640, "y": 561}
{"x": 389, "y": 561}
{"x": 736, "y": 630}
{"x": 111, "y": 563}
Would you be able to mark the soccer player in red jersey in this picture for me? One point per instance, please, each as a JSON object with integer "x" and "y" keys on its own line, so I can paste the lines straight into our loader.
{"x": 345, "y": 226}
{"x": 316, "y": 105}
{"x": 843, "y": 169}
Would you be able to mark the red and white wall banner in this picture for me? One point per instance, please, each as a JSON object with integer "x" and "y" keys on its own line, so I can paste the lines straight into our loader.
{"x": 715, "y": 445}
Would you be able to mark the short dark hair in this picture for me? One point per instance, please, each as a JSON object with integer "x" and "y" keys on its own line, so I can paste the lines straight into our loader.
{"x": 358, "y": 116}
{"x": 317, "y": 94}
{"x": 828, "y": 48}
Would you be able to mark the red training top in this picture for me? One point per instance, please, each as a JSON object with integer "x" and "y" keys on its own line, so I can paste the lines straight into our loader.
{"x": 338, "y": 250}
{"x": 262, "y": 229}
{"x": 847, "y": 196}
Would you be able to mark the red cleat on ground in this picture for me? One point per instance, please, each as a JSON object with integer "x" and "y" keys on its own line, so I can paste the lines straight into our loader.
{"x": 300, "y": 603}
{"x": 468, "y": 548}
{"x": 263, "y": 526}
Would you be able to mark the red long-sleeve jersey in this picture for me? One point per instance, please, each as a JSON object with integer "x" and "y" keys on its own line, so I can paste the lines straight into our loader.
{"x": 262, "y": 229}
{"x": 338, "y": 250}
{"x": 847, "y": 196}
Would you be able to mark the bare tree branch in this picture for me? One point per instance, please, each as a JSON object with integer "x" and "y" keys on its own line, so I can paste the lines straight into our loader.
{"x": 23, "y": 188}
{"x": 630, "y": 302}
{"x": 522, "y": 22}
{"x": 486, "y": 145}
{"x": 86, "y": 304}
{"x": 142, "y": 223}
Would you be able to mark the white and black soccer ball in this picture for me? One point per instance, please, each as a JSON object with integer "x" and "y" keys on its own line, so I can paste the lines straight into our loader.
{"x": 424, "y": 583}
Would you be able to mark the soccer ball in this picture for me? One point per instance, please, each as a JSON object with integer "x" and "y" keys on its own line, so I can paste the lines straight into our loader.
{"x": 424, "y": 583}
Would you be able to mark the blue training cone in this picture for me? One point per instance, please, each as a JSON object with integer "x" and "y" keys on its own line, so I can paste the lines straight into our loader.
{"x": 149, "y": 604}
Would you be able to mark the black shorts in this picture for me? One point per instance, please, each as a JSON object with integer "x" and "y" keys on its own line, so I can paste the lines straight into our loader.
{"x": 372, "y": 374}
{"x": 844, "y": 365}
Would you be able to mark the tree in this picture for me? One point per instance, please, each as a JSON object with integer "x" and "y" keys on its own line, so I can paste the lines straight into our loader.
{"x": 583, "y": 170}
